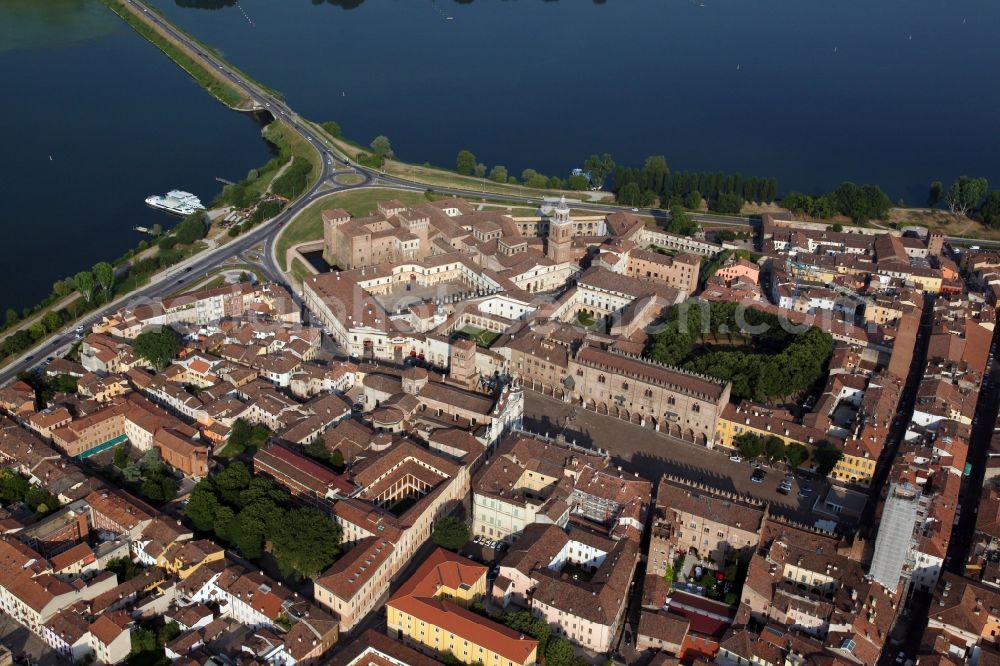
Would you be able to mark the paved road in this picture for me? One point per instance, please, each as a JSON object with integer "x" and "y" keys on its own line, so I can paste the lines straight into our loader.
{"x": 641, "y": 450}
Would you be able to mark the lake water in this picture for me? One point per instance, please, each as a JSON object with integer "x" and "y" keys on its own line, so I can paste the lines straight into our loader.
{"x": 120, "y": 122}
{"x": 897, "y": 92}
{"x": 814, "y": 92}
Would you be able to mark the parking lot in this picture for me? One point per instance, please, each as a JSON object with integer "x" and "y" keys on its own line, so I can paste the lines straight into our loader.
{"x": 651, "y": 454}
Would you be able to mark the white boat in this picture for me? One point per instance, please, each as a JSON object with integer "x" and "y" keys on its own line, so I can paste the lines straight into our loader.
{"x": 177, "y": 202}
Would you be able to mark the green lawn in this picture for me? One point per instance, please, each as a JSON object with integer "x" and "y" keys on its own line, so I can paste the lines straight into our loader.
{"x": 349, "y": 178}
{"x": 308, "y": 225}
{"x": 585, "y": 320}
{"x": 480, "y": 336}
{"x": 299, "y": 271}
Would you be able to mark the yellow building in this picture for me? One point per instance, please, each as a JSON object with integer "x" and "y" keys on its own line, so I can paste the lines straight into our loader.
{"x": 855, "y": 466}
{"x": 183, "y": 558}
{"x": 738, "y": 420}
{"x": 431, "y": 612}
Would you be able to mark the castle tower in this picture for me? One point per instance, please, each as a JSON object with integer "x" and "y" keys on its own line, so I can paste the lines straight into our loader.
{"x": 935, "y": 243}
{"x": 333, "y": 241}
{"x": 462, "y": 363}
{"x": 561, "y": 231}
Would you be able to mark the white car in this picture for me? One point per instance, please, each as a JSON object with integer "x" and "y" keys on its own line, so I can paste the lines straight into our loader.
{"x": 736, "y": 457}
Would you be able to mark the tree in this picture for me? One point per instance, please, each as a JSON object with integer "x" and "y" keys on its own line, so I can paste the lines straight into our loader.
{"x": 131, "y": 471}
{"x": 84, "y": 283}
{"x": 11, "y": 318}
{"x": 654, "y": 173}
{"x": 559, "y": 653}
{"x": 991, "y": 210}
{"x": 934, "y": 194}
{"x": 836, "y": 227}
{"x": 306, "y": 542}
{"x": 168, "y": 632}
{"x": 223, "y": 524}
{"x": 158, "y": 347}
{"x": 599, "y": 168}
{"x": 382, "y": 148}
{"x": 499, "y": 174}
{"x": 681, "y": 222}
{"x": 231, "y": 481}
{"x": 860, "y": 203}
{"x": 152, "y": 490}
{"x": 826, "y": 456}
{"x": 523, "y": 622}
{"x": 332, "y": 128}
{"x": 104, "y": 273}
{"x": 143, "y": 640}
{"x": 480, "y": 171}
{"x": 774, "y": 448}
{"x": 124, "y": 568}
{"x": 630, "y": 194}
{"x": 536, "y": 180}
{"x": 51, "y": 321}
{"x": 337, "y": 460}
{"x": 692, "y": 200}
{"x": 965, "y": 194}
{"x": 202, "y": 507}
{"x": 727, "y": 203}
{"x": 13, "y": 487}
{"x": 577, "y": 183}
{"x": 62, "y": 288}
{"x": 750, "y": 445}
{"x": 193, "y": 227}
{"x": 152, "y": 462}
{"x": 796, "y": 454}
{"x": 465, "y": 163}
{"x": 450, "y": 533}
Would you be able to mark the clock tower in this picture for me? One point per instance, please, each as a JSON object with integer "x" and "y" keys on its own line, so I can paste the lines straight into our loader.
{"x": 561, "y": 231}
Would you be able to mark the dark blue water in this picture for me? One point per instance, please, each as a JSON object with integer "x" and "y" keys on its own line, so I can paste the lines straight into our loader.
{"x": 814, "y": 92}
{"x": 120, "y": 122}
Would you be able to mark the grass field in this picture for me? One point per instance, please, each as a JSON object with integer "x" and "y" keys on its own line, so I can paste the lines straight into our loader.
{"x": 299, "y": 271}
{"x": 308, "y": 225}
{"x": 480, "y": 336}
{"x": 349, "y": 178}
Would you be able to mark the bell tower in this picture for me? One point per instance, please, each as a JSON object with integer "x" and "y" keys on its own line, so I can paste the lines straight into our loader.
{"x": 561, "y": 230}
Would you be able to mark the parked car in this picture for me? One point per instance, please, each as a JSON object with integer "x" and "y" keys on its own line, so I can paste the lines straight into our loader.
{"x": 757, "y": 476}
{"x": 805, "y": 491}
{"x": 736, "y": 457}
{"x": 785, "y": 487}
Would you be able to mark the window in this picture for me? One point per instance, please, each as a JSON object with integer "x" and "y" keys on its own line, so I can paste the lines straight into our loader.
{"x": 601, "y": 379}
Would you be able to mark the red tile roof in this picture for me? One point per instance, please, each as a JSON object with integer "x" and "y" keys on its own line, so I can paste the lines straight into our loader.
{"x": 417, "y": 597}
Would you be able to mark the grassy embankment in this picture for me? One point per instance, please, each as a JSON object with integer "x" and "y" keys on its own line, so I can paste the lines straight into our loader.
{"x": 210, "y": 80}
{"x": 308, "y": 224}
{"x": 289, "y": 146}
{"x": 439, "y": 177}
